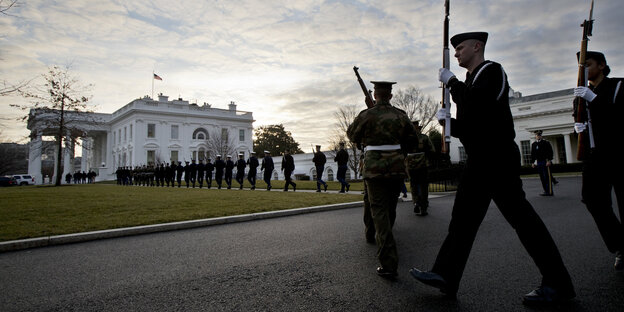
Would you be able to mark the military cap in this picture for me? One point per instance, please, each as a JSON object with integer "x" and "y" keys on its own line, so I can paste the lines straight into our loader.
{"x": 383, "y": 84}
{"x": 218, "y": 155}
{"x": 318, "y": 146}
{"x": 267, "y": 152}
{"x": 538, "y": 132}
{"x": 229, "y": 156}
{"x": 594, "y": 55}
{"x": 459, "y": 38}
{"x": 253, "y": 153}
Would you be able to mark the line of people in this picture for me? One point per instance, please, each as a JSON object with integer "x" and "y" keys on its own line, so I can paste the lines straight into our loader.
{"x": 195, "y": 174}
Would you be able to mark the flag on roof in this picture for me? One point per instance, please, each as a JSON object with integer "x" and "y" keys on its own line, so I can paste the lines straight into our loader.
{"x": 157, "y": 77}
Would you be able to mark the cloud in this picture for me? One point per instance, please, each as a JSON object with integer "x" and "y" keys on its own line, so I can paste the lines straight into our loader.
{"x": 291, "y": 61}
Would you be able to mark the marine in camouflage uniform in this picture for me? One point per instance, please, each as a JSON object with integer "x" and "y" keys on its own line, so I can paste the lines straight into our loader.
{"x": 420, "y": 150}
{"x": 383, "y": 129}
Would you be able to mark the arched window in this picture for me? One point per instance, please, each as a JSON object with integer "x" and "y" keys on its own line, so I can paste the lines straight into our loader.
{"x": 330, "y": 174}
{"x": 200, "y": 134}
{"x": 275, "y": 176}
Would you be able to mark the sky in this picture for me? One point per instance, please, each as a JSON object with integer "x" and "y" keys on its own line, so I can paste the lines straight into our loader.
{"x": 288, "y": 62}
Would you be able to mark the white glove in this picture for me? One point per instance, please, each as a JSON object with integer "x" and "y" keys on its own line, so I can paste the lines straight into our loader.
{"x": 585, "y": 92}
{"x": 441, "y": 115}
{"x": 579, "y": 127}
{"x": 444, "y": 75}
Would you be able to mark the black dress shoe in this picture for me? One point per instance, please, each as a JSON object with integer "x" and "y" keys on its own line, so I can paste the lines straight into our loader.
{"x": 370, "y": 238}
{"x": 547, "y": 296}
{"x": 432, "y": 279}
{"x": 381, "y": 271}
{"x": 325, "y": 187}
{"x": 348, "y": 186}
{"x": 416, "y": 209}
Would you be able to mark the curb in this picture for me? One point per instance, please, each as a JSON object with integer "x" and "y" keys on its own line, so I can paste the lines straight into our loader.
{"x": 153, "y": 228}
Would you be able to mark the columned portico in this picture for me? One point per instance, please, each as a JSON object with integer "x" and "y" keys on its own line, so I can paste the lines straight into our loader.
{"x": 34, "y": 158}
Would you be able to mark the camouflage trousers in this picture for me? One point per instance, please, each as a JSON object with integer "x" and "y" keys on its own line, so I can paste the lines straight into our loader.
{"x": 382, "y": 195}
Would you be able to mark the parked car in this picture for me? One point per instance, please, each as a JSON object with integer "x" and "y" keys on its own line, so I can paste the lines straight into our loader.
{"x": 7, "y": 181}
{"x": 24, "y": 179}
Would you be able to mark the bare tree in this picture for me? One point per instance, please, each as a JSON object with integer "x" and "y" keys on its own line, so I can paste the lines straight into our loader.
{"x": 221, "y": 143}
{"x": 60, "y": 106}
{"x": 344, "y": 117}
{"x": 6, "y": 5}
{"x": 418, "y": 106}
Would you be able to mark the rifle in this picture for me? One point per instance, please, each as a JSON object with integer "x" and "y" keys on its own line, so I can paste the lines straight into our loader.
{"x": 446, "y": 94}
{"x": 582, "y": 109}
{"x": 367, "y": 93}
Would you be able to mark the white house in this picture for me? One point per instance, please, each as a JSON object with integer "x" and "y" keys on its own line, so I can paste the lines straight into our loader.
{"x": 144, "y": 131}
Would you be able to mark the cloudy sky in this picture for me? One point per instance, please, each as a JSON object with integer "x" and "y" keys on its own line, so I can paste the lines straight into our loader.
{"x": 290, "y": 61}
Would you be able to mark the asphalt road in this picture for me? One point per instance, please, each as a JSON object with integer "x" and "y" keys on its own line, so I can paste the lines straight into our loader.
{"x": 310, "y": 262}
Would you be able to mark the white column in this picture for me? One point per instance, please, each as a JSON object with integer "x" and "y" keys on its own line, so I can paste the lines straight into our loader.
{"x": 34, "y": 158}
{"x": 67, "y": 153}
{"x": 86, "y": 152}
{"x": 570, "y": 157}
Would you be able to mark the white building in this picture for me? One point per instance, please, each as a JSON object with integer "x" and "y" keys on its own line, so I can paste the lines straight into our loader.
{"x": 144, "y": 131}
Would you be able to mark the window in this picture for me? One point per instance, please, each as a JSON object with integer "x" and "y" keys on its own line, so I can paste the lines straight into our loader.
{"x": 330, "y": 175}
{"x": 174, "y": 156}
{"x": 224, "y": 135}
{"x": 462, "y": 154}
{"x": 241, "y": 135}
{"x": 200, "y": 134}
{"x": 174, "y": 132}
{"x": 151, "y": 130}
{"x": 151, "y": 156}
{"x": 526, "y": 152}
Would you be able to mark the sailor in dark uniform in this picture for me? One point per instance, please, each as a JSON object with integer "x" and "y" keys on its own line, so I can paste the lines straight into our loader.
{"x": 200, "y": 173}
{"x": 219, "y": 167}
{"x": 483, "y": 107}
{"x": 267, "y": 166}
{"x": 229, "y": 168}
{"x": 253, "y": 170}
{"x": 209, "y": 169}
{"x": 603, "y": 167}
{"x": 240, "y": 170}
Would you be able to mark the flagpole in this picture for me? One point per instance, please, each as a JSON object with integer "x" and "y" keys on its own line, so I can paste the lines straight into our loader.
{"x": 153, "y": 84}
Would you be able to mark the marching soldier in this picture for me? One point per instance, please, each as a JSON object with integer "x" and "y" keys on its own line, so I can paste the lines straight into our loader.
{"x": 383, "y": 129}
{"x": 342, "y": 158}
{"x": 267, "y": 166}
{"x": 319, "y": 160}
{"x": 229, "y": 167}
{"x": 483, "y": 107}
{"x": 179, "y": 172}
{"x": 253, "y": 167}
{"x": 419, "y": 152}
{"x": 288, "y": 166}
{"x": 240, "y": 170}
{"x": 219, "y": 167}
{"x": 201, "y": 168}
{"x": 209, "y": 169}
{"x": 603, "y": 167}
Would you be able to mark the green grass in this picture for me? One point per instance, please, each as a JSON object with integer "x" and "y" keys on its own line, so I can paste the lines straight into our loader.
{"x": 36, "y": 211}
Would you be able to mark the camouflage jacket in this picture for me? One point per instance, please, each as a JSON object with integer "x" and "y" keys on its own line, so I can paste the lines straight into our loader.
{"x": 382, "y": 124}
{"x": 419, "y": 151}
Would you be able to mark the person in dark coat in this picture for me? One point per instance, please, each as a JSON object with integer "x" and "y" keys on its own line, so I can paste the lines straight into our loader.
{"x": 319, "y": 160}
{"x": 219, "y": 167}
{"x": 267, "y": 167}
{"x": 603, "y": 166}
{"x": 179, "y": 172}
{"x": 541, "y": 157}
{"x": 342, "y": 158}
{"x": 209, "y": 169}
{"x": 240, "y": 170}
{"x": 201, "y": 168}
{"x": 288, "y": 166}
{"x": 229, "y": 168}
{"x": 482, "y": 104}
{"x": 253, "y": 170}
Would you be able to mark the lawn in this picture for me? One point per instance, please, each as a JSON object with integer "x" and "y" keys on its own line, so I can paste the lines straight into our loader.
{"x": 36, "y": 211}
